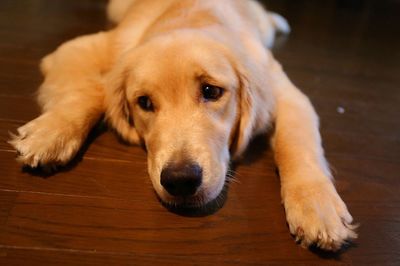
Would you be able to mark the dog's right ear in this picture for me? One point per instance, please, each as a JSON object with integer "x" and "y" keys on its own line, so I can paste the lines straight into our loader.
{"x": 117, "y": 107}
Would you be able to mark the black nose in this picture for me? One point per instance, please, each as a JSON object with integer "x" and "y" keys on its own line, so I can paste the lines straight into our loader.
{"x": 181, "y": 179}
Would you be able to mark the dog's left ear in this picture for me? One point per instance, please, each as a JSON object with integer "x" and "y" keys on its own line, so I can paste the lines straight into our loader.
{"x": 246, "y": 113}
{"x": 117, "y": 106}
{"x": 254, "y": 107}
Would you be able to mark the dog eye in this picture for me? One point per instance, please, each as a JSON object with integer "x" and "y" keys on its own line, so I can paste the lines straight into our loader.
{"x": 145, "y": 103}
{"x": 211, "y": 93}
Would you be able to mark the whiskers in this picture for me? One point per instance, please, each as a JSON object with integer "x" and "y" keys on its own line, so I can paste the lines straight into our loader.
{"x": 231, "y": 177}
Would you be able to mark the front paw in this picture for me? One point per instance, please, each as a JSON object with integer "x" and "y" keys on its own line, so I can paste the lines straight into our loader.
{"x": 316, "y": 215}
{"x": 47, "y": 140}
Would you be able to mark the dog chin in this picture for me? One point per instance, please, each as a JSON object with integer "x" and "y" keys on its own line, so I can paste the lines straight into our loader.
{"x": 196, "y": 201}
{"x": 202, "y": 203}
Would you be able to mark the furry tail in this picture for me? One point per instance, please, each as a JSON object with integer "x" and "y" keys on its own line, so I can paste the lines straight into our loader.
{"x": 273, "y": 24}
{"x": 280, "y": 23}
{"x": 268, "y": 23}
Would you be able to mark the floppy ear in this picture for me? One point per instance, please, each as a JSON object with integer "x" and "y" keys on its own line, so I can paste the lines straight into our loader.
{"x": 245, "y": 124}
{"x": 255, "y": 103}
{"x": 117, "y": 106}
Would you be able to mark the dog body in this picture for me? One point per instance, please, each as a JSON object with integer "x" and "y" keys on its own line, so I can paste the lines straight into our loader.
{"x": 193, "y": 81}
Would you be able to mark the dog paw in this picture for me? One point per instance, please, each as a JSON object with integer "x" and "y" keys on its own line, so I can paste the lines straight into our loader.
{"x": 316, "y": 215}
{"x": 47, "y": 140}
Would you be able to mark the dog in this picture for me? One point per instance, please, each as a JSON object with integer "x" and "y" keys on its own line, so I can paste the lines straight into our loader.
{"x": 193, "y": 82}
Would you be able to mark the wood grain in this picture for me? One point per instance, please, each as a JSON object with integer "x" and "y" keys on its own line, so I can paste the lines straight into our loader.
{"x": 101, "y": 209}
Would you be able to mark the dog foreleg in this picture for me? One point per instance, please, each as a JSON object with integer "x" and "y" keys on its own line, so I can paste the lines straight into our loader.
{"x": 315, "y": 212}
{"x": 71, "y": 98}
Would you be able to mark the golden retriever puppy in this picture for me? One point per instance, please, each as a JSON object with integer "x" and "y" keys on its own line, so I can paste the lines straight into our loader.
{"x": 193, "y": 81}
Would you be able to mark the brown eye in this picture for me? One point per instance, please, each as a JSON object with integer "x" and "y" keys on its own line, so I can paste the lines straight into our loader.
{"x": 145, "y": 103}
{"x": 211, "y": 93}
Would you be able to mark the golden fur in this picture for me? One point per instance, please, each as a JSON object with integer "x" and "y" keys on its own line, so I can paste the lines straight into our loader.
{"x": 166, "y": 50}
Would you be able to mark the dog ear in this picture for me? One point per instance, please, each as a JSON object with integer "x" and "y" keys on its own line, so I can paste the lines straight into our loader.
{"x": 255, "y": 103}
{"x": 117, "y": 106}
{"x": 246, "y": 117}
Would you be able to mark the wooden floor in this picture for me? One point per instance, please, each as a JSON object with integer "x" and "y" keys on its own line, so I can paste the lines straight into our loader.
{"x": 102, "y": 210}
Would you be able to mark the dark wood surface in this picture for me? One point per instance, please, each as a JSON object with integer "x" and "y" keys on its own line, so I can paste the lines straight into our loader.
{"x": 102, "y": 209}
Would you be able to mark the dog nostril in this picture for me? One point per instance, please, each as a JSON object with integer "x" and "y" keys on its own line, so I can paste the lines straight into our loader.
{"x": 181, "y": 179}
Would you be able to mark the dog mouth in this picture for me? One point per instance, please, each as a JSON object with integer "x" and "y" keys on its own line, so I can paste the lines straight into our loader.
{"x": 187, "y": 188}
{"x": 196, "y": 205}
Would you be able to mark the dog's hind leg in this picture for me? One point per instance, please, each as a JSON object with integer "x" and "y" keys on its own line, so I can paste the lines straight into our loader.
{"x": 72, "y": 101}
{"x": 117, "y": 9}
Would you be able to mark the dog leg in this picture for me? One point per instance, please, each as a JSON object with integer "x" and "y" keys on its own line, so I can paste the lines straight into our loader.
{"x": 315, "y": 212}
{"x": 71, "y": 98}
{"x": 117, "y": 9}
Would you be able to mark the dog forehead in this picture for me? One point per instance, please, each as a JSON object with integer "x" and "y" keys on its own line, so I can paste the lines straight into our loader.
{"x": 178, "y": 65}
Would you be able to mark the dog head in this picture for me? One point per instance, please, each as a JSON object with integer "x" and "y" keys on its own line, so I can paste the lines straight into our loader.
{"x": 191, "y": 102}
